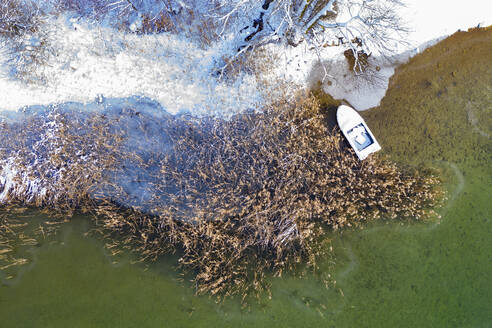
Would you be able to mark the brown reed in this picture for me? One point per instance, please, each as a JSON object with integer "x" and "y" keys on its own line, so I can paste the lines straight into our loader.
{"x": 246, "y": 197}
{"x": 257, "y": 193}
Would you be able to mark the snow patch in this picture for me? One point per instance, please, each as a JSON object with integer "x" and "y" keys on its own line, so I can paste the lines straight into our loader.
{"x": 91, "y": 61}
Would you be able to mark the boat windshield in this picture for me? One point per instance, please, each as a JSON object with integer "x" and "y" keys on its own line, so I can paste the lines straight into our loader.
{"x": 360, "y": 137}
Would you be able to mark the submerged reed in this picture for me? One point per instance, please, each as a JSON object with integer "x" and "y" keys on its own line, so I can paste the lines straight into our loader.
{"x": 17, "y": 232}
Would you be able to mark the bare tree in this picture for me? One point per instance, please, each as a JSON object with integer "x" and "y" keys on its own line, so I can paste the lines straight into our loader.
{"x": 364, "y": 27}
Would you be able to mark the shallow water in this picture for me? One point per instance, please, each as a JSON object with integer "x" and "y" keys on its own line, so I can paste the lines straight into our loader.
{"x": 406, "y": 275}
{"x": 389, "y": 274}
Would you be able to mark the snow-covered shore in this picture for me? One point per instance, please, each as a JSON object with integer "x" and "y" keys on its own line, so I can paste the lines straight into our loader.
{"x": 89, "y": 60}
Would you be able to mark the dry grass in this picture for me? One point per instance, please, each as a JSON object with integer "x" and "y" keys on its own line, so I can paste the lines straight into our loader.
{"x": 201, "y": 28}
{"x": 157, "y": 24}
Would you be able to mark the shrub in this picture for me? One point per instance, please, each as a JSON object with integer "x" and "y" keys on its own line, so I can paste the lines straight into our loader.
{"x": 18, "y": 17}
{"x": 26, "y": 43}
{"x": 28, "y": 56}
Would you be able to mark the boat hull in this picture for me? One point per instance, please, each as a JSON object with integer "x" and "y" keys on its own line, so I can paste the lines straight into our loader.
{"x": 358, "y": 134}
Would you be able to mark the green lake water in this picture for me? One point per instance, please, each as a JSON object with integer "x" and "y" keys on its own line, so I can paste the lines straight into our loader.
{"x": 388, "y": 274}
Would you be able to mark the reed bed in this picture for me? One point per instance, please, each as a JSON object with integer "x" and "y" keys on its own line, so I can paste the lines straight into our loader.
{"x": 56, "y": 159}
{"x": 256, "y": 194}
{"x": 238, "y": 199}
{"x": 18, "y": 233}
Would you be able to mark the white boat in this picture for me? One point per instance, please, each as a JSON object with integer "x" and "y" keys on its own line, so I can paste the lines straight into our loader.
{"x": 357, "y": 132}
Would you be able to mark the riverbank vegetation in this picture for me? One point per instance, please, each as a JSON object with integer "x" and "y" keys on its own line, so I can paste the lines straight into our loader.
{"x": 238, "y": 198}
